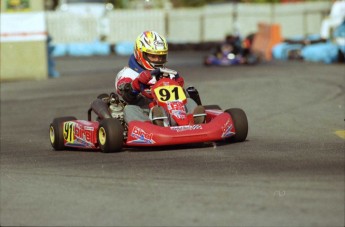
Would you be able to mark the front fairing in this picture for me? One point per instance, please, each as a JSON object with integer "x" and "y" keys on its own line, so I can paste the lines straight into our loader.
{"x": 168, "y": 94}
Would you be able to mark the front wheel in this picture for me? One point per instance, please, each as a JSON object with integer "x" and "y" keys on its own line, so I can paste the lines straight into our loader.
{"x": 241, "y": 124}
{"x": 110, "y": 135}
{"x": 56, "y": 132}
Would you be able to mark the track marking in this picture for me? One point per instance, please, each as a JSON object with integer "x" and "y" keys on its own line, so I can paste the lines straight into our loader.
{"x": 340, "y": 133}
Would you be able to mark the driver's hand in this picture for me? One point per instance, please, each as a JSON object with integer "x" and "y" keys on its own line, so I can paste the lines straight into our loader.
{"x": 144, "y": 77}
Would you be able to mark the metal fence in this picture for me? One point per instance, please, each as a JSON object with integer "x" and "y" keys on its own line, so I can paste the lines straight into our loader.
{"x": 209, "y": 23}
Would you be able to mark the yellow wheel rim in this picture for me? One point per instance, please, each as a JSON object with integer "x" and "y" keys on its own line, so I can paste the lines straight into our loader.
{"x": 102, "y": 136}
{"x": 52, "y": 134}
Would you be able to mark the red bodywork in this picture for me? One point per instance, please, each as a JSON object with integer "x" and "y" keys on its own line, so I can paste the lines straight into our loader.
{"x": 81, "y": 134}
{"x": 218, "y": 126}
{"x": 146, "y": 134}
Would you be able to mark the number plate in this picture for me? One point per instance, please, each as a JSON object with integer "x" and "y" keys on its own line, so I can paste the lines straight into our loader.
{"x": 169, "y": 93}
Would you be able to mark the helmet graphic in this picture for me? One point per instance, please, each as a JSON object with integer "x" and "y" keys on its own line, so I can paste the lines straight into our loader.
{"x": 151, "y": 50}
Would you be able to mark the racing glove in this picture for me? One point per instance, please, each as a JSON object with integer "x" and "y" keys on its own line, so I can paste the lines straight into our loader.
{"x": 139, "y": 87}
{"x": 140, "y": 83}
{"x": 144, "y": 77}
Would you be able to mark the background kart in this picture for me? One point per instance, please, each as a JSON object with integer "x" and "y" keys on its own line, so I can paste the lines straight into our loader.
{"x": 110, "y": 133}
{"x": 234, "y": 51}
{"x": 231, "y": 59}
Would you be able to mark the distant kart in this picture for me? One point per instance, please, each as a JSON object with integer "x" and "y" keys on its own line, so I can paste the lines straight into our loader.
{"x": 110, "y": 133}
{"x": 230, "y": 59}
{"x": 234, "y": 51}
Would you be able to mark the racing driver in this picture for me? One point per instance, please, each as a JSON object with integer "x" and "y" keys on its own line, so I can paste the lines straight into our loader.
{"x": 150, "y": 55}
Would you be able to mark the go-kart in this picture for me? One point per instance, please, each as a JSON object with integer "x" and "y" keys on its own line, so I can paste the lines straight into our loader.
{"x": 228, "y": 59}
{"x": 223, "y": 60}
{"x": 233, "y": 52}
{"x": 110, "y": 133}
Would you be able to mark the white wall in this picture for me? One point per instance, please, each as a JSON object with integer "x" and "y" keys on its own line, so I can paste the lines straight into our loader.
{"x": 126, "y": 25}
{"x": 70, "y": 28}
{"x": 209, "y": 23}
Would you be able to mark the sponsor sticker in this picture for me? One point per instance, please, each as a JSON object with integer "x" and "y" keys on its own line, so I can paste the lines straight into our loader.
{"x": 76, "y": 134}
{"x": 186, "y": 128}
{"x": 141, "y": 136}
{"x": 226, "y": 128}
{"x": 83, "y": 133}
{"x": 177, "y": 109}
{"x": 158, "y": 44}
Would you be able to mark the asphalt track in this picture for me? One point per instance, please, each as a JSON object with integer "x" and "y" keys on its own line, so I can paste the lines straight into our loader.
{"x": 289, "y": 172}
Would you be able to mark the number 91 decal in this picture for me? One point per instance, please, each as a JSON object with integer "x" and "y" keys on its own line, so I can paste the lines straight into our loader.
{"x": 169, "y": 93}
{"x": 68, "y": 131}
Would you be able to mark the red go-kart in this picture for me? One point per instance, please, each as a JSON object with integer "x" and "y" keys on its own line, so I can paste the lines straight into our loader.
{"x": 110, "y": 133}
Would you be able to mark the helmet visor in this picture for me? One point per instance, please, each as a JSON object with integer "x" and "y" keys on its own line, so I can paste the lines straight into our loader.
{"x": 155, "y": 59}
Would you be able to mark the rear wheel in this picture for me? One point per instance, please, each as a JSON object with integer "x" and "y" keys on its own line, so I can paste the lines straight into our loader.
{"x": 102, "y": 96}
{"x": 241, "y": 124}
{"x": 110, "y": 135}
{"x": 56, "y": 132}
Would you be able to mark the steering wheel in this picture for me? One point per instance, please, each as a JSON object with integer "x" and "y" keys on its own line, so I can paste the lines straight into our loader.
{"x": 157, "y": 74}
{"x": 163, "y": 72}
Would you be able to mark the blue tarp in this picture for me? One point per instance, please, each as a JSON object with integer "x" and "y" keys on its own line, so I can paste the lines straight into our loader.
{"x": 124, "y": 48}
{"x": 90, "y": 49}
{"x": 281, "y": 50}
{"x": 82, "y": 49}
{"x": 319, "y": 52}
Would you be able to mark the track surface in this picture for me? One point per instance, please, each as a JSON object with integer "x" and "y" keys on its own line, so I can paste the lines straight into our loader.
{"x": 289, "y": 172}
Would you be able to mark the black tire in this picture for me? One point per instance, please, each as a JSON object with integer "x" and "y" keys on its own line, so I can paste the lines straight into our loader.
{"x": 56, "y": 132}
{"x": 241, "y": 125}
{"x": 110, "y": 135}
{"x": 252, "y": 59}
{"x": 102, "y": 96}
{"x": 212, "y": 107}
